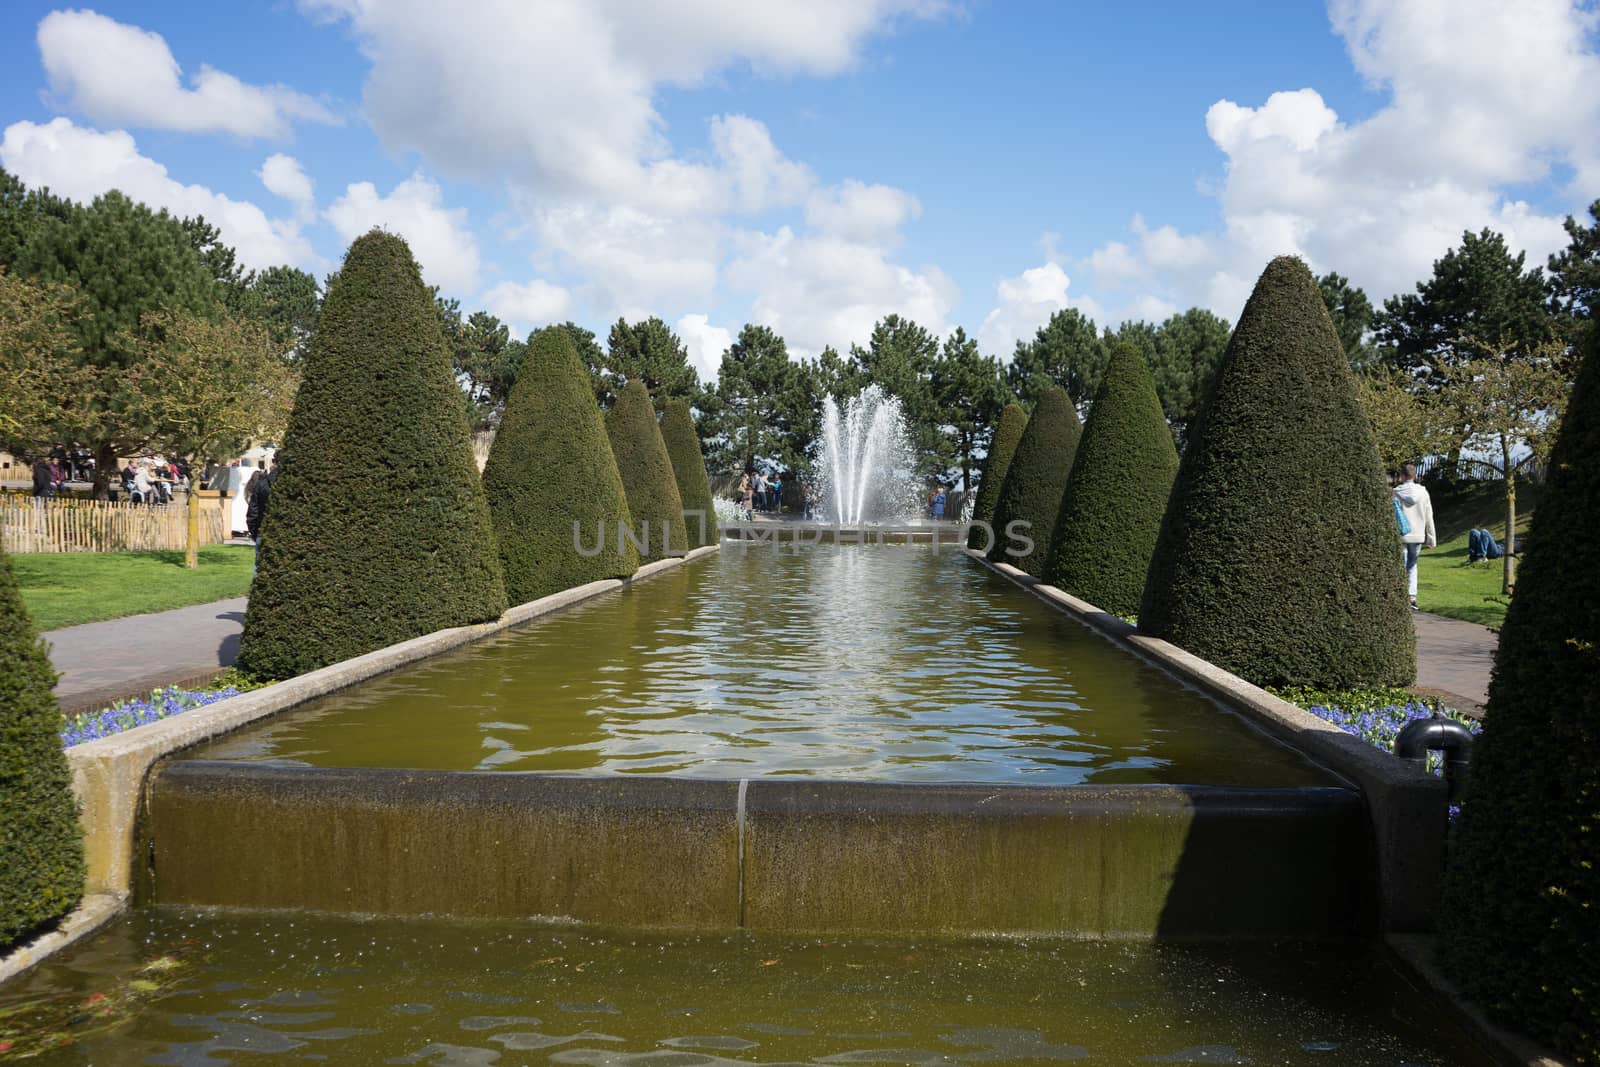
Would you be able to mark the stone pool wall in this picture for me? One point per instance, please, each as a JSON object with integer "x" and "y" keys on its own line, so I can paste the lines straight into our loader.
{"x": 770, "y": 854}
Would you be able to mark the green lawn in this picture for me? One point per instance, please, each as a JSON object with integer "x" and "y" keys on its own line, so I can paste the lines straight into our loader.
{"x": 68, "y": 588}
{"x": 1446, "y": 583}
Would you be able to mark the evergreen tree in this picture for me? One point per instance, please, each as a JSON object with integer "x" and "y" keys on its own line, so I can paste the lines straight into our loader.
{"x": 649, "y": 352}
{"x": 968, "y": 392}
{"x": 768, "y": 405}
{"x": 689, "y": 469}
{"x": 1066, "y": 350}
{"x": 41, "y": 846}
{"x": 552, "y": 482}
{"x": 647, "y": 476}
{"x": 378, "y": 530}
{"x": 1117, "y": 492}
{"x": 1352, "y": 315}
{"x": 1031, "y": 495}
{"x": 1278, "y": 558}
{"x": 1575, "y": 276}
{"x": 1521, "y": 906}
{"x": 1182, "y": 354}
{"x": 1007, "y": 432}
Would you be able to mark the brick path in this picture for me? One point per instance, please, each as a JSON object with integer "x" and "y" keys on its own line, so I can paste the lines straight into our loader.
{"x": 101, "y": 662}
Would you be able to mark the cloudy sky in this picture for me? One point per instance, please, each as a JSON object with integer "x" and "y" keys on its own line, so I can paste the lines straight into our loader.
{"x": 814, "y": 166}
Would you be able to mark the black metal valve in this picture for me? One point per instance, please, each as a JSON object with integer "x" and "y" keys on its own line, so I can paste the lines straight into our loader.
{"x": 1442, "y": 734}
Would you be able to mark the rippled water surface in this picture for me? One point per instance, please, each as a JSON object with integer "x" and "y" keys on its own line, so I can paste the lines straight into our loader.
{"x": 856, "y": 661}
{"x": 187, "y": 988}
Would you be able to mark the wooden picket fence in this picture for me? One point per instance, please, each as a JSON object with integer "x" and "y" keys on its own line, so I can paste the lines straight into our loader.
{"x": 30, "y": 524}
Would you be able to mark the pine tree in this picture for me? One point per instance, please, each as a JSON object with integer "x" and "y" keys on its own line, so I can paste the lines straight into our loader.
{"x": 41, "y": 846}
{"x": 647, "y": 476}
{"x": 377, "y": 530}
{"x": 1278, "y": 557}
{"x": 1520, "y": 916}
{"x": 552, "y": 482}
{"x": 689, "y": 469}
{"x": 1031, "y": 495}
{"x": 1007, "y": 432}
{"x": 1117, "y": 492}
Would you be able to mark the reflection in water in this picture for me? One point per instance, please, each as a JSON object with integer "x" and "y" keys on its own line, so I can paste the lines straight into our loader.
{"x": 263, "y": 990}
{"x": 882, "y": 662}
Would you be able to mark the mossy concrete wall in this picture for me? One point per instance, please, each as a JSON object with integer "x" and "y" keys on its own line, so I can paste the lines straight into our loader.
{"x": 108, "y": 775}
{"x": 765, "y": 854}
{"x": 1406, "y": 808}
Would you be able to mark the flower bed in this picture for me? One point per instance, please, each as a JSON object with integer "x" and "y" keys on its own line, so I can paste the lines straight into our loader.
{"x": 160, "y": 704}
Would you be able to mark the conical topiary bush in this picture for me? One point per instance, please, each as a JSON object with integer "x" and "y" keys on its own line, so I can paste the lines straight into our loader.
{"x": 377, "y": 530}
{"x": 1520, "y": 917}
{"x": 1031, "y": 494}
{"x": 1117, "y": 492}
{"x": 41, "y": 847}
{"x": 1278, "y": 557}
{"x": 647, "y": 474}
{"x": 552, "y": 482}
{"x": 1001, "y": 448}
{"x": 689, "y": 468}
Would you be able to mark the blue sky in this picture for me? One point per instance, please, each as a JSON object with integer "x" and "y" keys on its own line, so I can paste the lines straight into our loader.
{"x": 816, "y": 166}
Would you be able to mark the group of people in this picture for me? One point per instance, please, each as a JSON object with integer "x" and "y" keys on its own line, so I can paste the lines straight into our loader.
{"x": 757, "y": 492}
{"x": 151, "y": 481}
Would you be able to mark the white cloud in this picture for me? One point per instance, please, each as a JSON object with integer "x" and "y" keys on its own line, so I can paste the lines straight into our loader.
{"x": 826, "y": 290}
{"x": 1483, "y": 96}
{"x": 705, "y": 343}
{"x": 526, "y": 306}
{"x": 1024, "y": 303}
{"x": 117, "y": 74}
{"x": 860, "y": 212}
{"x": 439, "y": 238}
{"x": 81, "y": 164}
{"x": 283, "y": 176}
{"x": 562, "y": 92}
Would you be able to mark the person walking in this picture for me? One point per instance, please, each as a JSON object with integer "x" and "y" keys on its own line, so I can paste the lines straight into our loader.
{"x": 777, "y": 494}
{"x": 42, "y": 485}
{"x": 259, "y": 490}
{"x": 746, "y": 496}
{"x": 1417, "y": 510}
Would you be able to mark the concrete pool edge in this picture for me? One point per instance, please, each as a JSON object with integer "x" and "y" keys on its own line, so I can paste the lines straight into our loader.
{"x": 108, "y": 775}
{"x": 765, "y": 854}
{"x": 1402, "y": 804}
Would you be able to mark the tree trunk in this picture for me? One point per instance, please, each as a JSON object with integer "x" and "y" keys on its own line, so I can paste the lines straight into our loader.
{"x": 1511, "y": 520}
{"x": 105, "y": 465}
{"x": 191, "y": 556}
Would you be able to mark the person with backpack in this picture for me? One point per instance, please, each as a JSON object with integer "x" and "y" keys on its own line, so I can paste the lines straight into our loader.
{"x": 259, "y": 490}
{"x": 1417, "y": 512}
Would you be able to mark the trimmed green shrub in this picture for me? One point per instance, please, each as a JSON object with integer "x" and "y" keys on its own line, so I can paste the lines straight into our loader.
{"x": 653, "y": 498}
{"x": 1007, "y": 432}
{"x": 1521, "y": 911}
{"x": 689, "y": 468}
{"x": 1117, "y": 492}
{"x": 552, "y": 482}
{"x": 1278, "y": 557}
{"x": 1031, "y": 494}
{"x": 377, "y": 529}
{"x": 41, "y": 846}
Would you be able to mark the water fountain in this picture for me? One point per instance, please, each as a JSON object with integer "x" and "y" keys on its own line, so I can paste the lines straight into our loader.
{"x": 864, "y": 463}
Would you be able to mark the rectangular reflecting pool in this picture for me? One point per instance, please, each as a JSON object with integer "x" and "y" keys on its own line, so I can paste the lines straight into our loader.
{"x": 186, "y": 987}
{"x": 895, "y": 663}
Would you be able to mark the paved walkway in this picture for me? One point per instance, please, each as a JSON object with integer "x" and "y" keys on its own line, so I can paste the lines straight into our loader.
{"x": 101, "y": 662}
{"x": 1454, "y": 659}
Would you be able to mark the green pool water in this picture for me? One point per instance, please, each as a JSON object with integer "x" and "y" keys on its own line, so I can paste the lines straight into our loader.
{"x": 889, "y": 662}
{"x": 192, "y": 988}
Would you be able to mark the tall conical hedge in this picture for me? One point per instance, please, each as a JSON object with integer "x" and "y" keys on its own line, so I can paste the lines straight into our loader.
{"x": 1278, "y": 557}
{"x": 377, "y": 529}
{"x": 647, "y": 476}
{"x": 1034, "y": 481}
{"x": 41, "y": 847}
{"x": 1001, "y": 448}
{"x": 1117, "y": 492}
{"x": 551, "y": 473}
{"x": 1520, "y": 919}
{"x": 689, "y": 468}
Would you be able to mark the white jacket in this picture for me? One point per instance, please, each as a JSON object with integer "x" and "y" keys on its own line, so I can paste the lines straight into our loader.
{"x": 1418, "y": 510}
